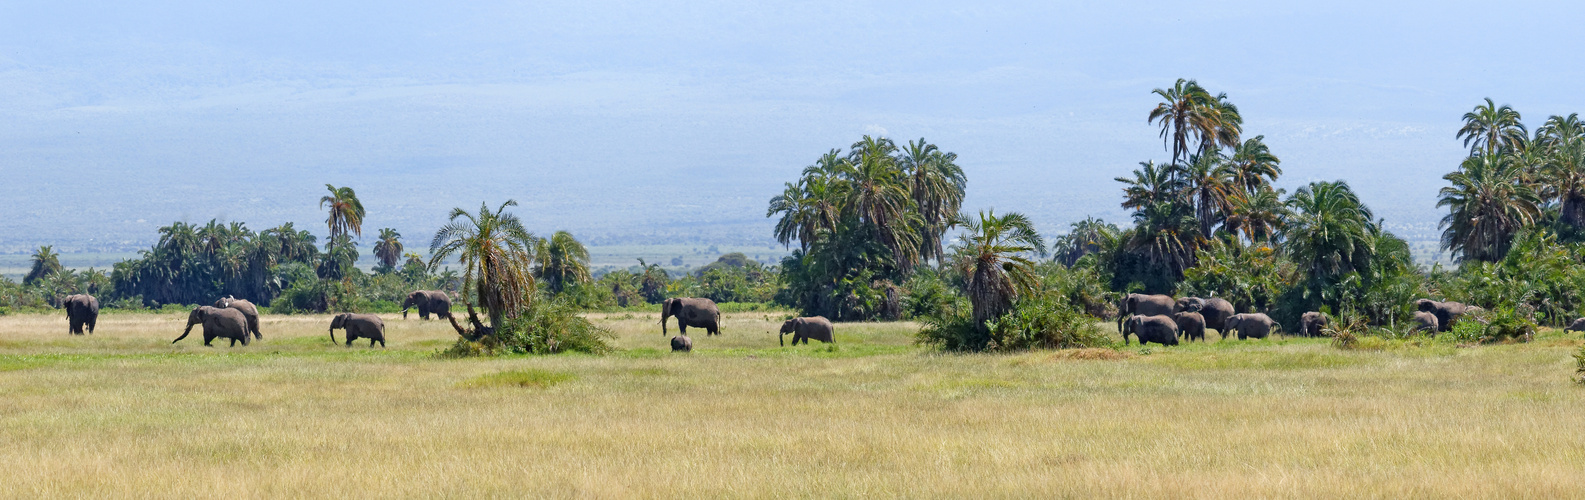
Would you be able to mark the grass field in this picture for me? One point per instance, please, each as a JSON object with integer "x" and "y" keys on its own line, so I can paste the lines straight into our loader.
{"x": 125, "y": 413}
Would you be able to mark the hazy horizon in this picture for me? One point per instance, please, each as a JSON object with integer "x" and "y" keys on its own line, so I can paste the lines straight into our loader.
{"x": 651, "y": 123}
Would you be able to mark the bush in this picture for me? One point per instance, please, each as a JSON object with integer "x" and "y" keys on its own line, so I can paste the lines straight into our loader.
{"x": 1046, "y": 321}
{"x": 545, "y": 327}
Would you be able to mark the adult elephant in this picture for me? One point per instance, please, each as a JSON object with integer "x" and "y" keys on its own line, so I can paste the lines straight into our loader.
{"x": 81, "y": 309}
{"x": 694, "y": 312}
{"x": 1446, "y": 312}
{"x": 815, "y": 327}
{"x": 1190, "y": 324}
{"x": 1251, "y": 326}
{"x": 428, "y": 302}
{"x": 1214, "y": 310}
{"x": 1143, "y": 305}
{"x": 1425, "y": 321}
{"x": 1311, "y": 323}
{"x": 364, "y": 326}
{"x": 248, "y": 311}
{"x": 218, "y": 323}
{"x": 1157, "y": 328}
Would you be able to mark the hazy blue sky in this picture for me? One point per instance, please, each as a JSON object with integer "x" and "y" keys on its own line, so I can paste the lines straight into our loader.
{"x": 666, "y": 121}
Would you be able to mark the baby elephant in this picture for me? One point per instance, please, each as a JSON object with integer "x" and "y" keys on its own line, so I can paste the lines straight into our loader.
{"x": 681, "y": 343}
{"x": 817, "y": 327}
{"x": 1425, "y": 321}
{"x": 366, "y": 326}
{"x": 1190, "y": 324}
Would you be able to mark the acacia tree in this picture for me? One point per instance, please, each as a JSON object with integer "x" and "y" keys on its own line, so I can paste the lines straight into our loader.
{"x": 496, "y": 254}
{"x": 994, "y": 265}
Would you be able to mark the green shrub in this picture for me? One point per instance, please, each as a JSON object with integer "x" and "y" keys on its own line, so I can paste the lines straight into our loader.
{"x": 1045, "y": 321}
{"x": 546, "y": 326}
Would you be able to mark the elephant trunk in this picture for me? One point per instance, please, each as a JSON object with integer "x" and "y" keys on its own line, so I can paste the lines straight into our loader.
{"x": 332, "y": 336}
{"x": 664, "y": 315}
{"x": 781, "y": 338}
{"x": 184, "y": 333}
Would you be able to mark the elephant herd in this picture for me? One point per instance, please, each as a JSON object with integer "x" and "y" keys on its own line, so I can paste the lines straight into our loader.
{"x": 1162, "y": 320}
{"x": 237, "y": 320}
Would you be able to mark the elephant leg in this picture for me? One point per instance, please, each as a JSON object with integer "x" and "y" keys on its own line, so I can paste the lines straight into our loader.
{"x": 382, "y": 344}
{"x": 683, "y": 327}
{"x": 208, "y": 339}
{"x": 371, "y": 343}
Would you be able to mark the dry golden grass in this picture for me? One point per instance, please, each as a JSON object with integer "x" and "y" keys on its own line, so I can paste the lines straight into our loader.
{"x": 124, "y": 413}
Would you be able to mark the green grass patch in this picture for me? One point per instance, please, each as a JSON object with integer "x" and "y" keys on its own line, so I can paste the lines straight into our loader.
{"x": 530, "y": 378}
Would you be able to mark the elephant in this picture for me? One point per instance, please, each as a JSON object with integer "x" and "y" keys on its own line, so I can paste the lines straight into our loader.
{"x": 698, "y": 313}
{"x": 428, "y": 302}
{"x": 1251, "y": 325}
{"x": 1214, "y": 310}
{"x": 681, "y": 343}
{"x": 218, "y": 323}
{"x": 816, "y": 327}
{"x": 1311, "y": 323}
{"x": 81, "y": 309}
{"x": 1446, "y": 312}
{"x": 1143, "y": 305}
{"x": 248, "y": 311}
{"x": 366, "y": 326}
{"x": 1426, "y": 321}
{"x": 1191, "y": 324}
{"x": 1158, "y": 328}
{"x": 1577, "y": 326}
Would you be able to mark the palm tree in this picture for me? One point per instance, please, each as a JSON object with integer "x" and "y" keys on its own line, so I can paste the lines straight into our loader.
{"x": 1167, "y": 235}
{"x": 1492, "y": 129}
{"x": 877, "y": 194}
{"x": 1185, "y": 110}
{"x": 389, "y": 249}
{"x": 346, "y": 212}
{"x": 652, "y": 285}
{"x": 1559, "y": 131}
{"x": 1210, "y": 185}
{"x": 563, "y": 261}
{"x": 1225, "y": 126}
{"x": 45, "y": 263}
{"x": 496, "y": 254}
{"x": 1253, "y": 166}
{"x": 1564, "y": 175}
{"x": 1328, "y": 230}
{"x": 1151, "y": 184}
{"x": 994, "y": 267}
{"x": 1257, "y": 215}
{"x": 1085, "y": 237}
{"x": 937, "y": 185}
{"x": 1487, "y": 205}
